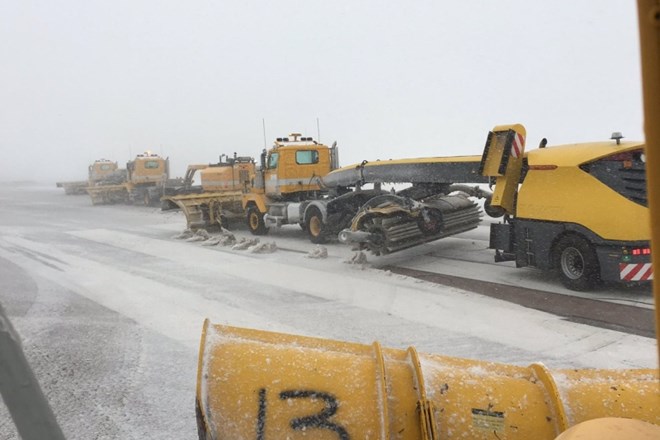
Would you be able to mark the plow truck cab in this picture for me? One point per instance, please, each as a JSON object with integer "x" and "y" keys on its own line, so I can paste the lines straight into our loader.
{"x": 100, "y": 169}
{"x": 96, "y": 172}
{"x": 287, "y": 187}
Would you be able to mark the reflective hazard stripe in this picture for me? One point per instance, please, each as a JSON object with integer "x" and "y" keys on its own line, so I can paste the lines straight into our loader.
{"x": 635, "y": 271}
{"x": 517, "y": 145}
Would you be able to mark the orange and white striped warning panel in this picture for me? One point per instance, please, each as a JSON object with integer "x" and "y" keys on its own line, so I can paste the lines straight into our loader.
{"x": 635, "y": 271}
{"x": 517, "y": 145}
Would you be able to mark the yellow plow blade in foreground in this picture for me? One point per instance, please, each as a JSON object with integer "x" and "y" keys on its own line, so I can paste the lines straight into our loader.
{"x": 261, "y": 385}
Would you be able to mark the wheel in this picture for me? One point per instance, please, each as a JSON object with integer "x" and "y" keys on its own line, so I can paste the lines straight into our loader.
{"x": 219, "y": 218}
{"x": 493, "y": 211}
{"x": 577, "y": 263}
{"x": 166, "y": 205}
{"x": 316, "y": 229}
{"x": 255, "y": 221}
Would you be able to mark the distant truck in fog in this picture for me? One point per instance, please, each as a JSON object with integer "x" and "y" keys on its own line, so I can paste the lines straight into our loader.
{"x": 97, "y": 171}
{"x": 144, "y": 181}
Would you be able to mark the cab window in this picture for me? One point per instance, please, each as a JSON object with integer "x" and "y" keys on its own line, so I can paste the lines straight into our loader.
{"x": 105, "y": 167}
{"x": 307, "y": 157}
{"x": 151, "y": 164}
{"x": 272, "y": 160}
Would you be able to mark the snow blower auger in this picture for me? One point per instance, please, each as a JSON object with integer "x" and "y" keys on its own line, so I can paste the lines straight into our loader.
{"x": 389, "y": 223}
{"x": 259, "y": 385}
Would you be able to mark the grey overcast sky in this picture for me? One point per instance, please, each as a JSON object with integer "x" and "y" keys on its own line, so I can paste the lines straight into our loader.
{"x": 85, "y": 79}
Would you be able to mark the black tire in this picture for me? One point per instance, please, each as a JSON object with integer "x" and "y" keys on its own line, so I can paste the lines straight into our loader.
{"x": 577, "y": 263}
{"x": 166, "y": 205}
{"x": 255, "y": 221}
{"x": 493, "y": 211}
{"x": 315, "y": 227}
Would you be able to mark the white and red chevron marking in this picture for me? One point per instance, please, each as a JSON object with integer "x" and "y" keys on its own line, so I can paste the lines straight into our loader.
{"x": 635, "y": 271}
{"x": 517, "y": 145}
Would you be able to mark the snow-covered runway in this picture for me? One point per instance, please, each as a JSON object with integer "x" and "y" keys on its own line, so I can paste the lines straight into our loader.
{"x": 110, "y": 308}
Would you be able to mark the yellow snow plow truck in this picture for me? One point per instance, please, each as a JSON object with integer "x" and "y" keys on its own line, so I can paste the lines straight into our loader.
{"x": 142, "y": 181}
{"x": 300, "y": 182}
{"x": 96, "y": 172}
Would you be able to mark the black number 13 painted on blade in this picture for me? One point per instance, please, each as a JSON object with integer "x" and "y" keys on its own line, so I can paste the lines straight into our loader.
{"x": 318, "y": 421}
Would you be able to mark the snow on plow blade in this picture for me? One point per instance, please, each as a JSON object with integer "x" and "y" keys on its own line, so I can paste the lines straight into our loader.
{"x": 259, "y": 385}
{"x": 108, "y": 194}
{"x": 206, "y": 210}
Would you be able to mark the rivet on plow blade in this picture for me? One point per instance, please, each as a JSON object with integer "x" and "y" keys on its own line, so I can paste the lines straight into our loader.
{"x": 260, "y": 385}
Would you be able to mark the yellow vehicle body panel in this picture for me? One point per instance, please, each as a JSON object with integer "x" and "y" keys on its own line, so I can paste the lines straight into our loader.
{"x": 612, "y": 428}
{"x": 148, "y": 168}
{"x": 648, "y": 18}
{"x": 289, "y": 176}
{"x": 258, "y": 198}
{"x": 556, "y": 189}
{"x": 230, "y": 177}
{"x": 578, "y": 154}
{"x": 260, "y": 385}
{"x": 502, "y": 159}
